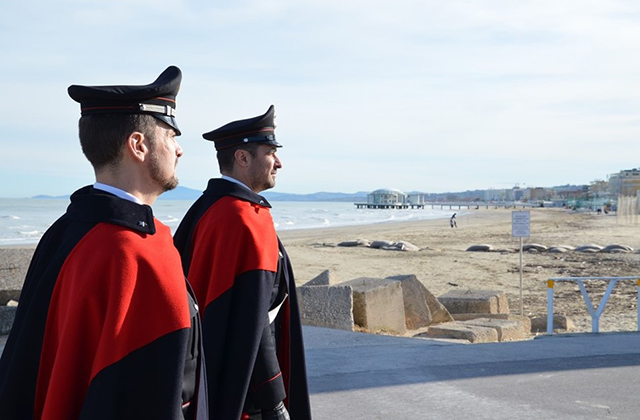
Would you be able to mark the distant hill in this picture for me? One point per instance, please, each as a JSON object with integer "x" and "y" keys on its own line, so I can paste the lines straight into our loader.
{"x": 185, "y": 193}
{"x": 319, "y": 196}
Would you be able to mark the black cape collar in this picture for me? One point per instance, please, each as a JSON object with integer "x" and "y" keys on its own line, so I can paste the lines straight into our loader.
{"x": 222, "y": 187}
{"x": 97, "y": 206}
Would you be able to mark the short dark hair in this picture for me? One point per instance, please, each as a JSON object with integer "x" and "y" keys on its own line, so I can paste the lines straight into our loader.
{"x": 226, "y": 156}
{"x": 103, "y": 135}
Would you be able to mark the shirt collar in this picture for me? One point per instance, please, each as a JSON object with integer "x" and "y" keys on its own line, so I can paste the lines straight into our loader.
{"x": 235, "y": 181}
{"x": 117, "y": 192}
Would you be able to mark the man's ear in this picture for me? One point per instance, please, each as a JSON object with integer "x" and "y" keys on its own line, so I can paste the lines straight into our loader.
{"x": 242, "y": 158}
{"x": 137, "y": 147}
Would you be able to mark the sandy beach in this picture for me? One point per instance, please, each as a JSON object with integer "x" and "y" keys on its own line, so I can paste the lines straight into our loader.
{"x": 443, "y": 264}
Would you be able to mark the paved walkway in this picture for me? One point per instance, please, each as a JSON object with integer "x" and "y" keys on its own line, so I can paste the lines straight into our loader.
{"x": 577, "y": 376}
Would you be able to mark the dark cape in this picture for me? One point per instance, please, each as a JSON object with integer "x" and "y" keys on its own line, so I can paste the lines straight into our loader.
{"x": 233, "y": 257}
{"x": 105, "y": 327}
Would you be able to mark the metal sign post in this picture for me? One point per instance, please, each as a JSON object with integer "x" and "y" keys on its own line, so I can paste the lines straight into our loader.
{"x": 521, "y": 228}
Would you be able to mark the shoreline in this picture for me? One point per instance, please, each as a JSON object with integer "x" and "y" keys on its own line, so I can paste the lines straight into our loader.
{"x": 443, "y": 264}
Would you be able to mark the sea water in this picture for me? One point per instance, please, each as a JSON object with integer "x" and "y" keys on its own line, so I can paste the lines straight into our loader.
{"x": 24, "y": 220}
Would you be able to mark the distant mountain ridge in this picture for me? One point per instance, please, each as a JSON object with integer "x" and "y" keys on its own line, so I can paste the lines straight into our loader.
{"x": 185, "y": 193}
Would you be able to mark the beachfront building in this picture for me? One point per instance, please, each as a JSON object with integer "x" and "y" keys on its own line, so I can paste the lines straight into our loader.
{"x": 386, "y": 196}
{"x": 389, "y": 198}
{"x": 626, "y": 183}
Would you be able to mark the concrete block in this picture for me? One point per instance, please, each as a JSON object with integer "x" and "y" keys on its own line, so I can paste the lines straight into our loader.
{"x": 421, "y": 308}
{"x": 7, "y": 315}
{"x": 378, "y": 304}
{"x": 326, "y": 306}
{"x": 466, "y": 317}
{"x": 14, "y": 263}
{"x": 471, "y": 333}
{"x": 507, "y": 329}
{"x": 561, "y": 323}
{"x": 475, "y": 301}
{"x": 326, "y": 278}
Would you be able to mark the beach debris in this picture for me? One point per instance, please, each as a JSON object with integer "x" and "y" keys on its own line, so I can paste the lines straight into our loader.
{"x": 401, "y": 246}
{"x": 355, "y": 242}
{"x": 385, "y": 245}
{"x": 480, "y": 248}
{"x": 589, "y": 248}
{"x": 534, "y": 247}
{"x": 560, "y": 248}
{"x": 557, "y": 249}
{"x": 380, "y": 244}
{"x": 617, "y": 248}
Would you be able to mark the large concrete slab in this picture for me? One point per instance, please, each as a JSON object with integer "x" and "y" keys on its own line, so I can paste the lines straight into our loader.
{"x": 378, "y": 304}
{"x": 326, "y": 306}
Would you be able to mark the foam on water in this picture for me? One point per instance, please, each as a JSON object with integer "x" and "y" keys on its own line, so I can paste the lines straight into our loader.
{"x": 24, "y": 221}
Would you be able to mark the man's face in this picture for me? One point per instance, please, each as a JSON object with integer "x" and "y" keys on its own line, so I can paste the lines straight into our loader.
{"x": 164, "y": 154}
{"x": 263, "y": 168}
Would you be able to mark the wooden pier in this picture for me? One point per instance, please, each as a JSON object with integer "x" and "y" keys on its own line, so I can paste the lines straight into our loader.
{"x": 388, "y": 206}
{"x": 443, "y": 205}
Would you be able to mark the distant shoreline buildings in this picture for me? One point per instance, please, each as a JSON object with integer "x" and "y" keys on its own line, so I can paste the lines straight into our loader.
{"x": 599, "y": 194}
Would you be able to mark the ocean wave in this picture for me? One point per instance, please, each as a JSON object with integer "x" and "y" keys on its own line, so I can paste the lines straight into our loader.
{"x": 31, "y": 233}
{"x": 10, "y": 217}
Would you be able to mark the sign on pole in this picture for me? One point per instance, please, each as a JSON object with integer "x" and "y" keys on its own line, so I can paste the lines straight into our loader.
{"x": 520, "y": 224}
{"x": 521, "y": 228}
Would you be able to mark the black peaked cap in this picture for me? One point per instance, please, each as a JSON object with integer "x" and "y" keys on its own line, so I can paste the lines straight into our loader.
{"x": 260, "y": 129}
{"x": 157, "y": 99}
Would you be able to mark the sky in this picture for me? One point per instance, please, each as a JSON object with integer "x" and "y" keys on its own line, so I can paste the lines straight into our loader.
{"x": 418, "y": 95}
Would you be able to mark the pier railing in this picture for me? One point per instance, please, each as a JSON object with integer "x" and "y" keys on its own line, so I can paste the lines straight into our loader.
{"x": 448, "y": 204}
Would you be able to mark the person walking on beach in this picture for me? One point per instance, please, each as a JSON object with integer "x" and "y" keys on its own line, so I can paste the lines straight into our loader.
{"x": 452, "y": 221}
{"x": 106, "y": 327}
{"x": 244, "y": 282}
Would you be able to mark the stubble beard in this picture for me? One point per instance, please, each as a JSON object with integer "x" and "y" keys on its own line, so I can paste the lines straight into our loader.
{"x": 165, "y": 183}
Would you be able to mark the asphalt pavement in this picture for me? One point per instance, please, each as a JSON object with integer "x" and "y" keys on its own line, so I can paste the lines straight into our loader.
{"x": 566, "y": 376}
{"x": 569, "y": 376}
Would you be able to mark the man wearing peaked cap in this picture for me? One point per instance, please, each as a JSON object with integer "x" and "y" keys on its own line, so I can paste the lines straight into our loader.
{"x": 244, "y": 282}
{"x": 157, "y": 99}
{"x": 107, "y": 326}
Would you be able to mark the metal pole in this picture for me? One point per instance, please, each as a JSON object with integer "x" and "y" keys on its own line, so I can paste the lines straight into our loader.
{"x": 550, "y": 284}
{"x": 521, "y": 304}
